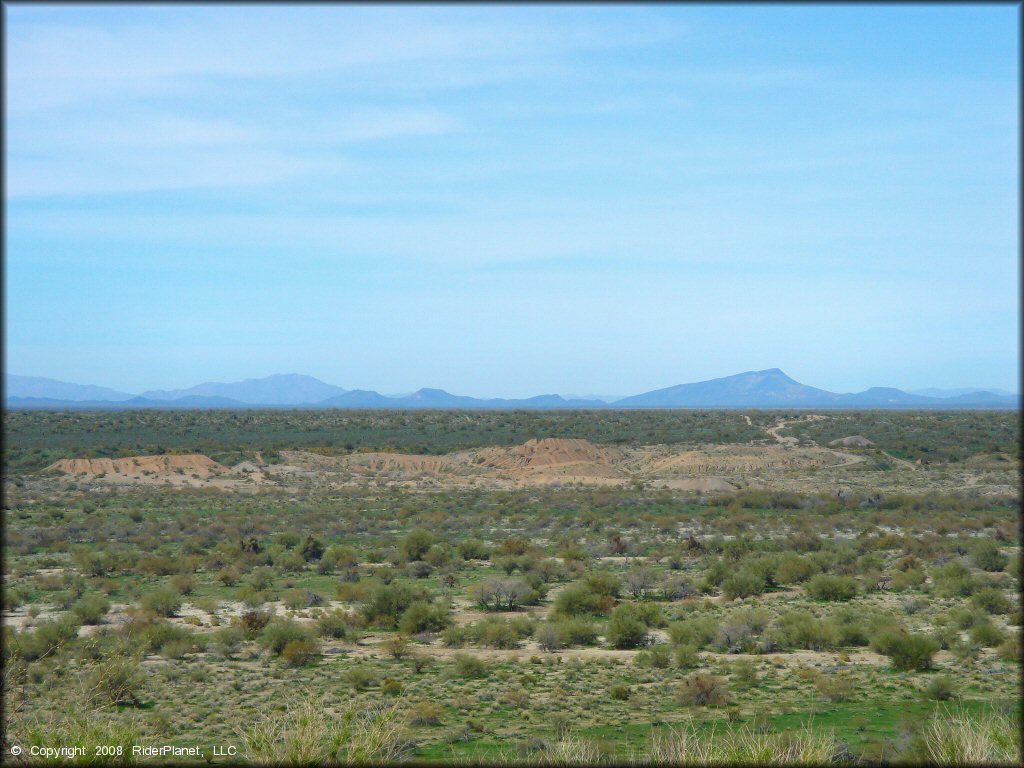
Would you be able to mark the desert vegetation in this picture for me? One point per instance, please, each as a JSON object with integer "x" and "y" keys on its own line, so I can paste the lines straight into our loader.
{"x": 807, "y": 612}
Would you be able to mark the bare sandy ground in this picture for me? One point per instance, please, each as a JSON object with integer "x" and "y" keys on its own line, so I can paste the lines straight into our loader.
{"x": 555, "y": 462}
{"x": 184, "y": 470}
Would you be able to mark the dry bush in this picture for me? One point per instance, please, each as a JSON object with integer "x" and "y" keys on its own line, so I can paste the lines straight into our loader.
{"x": 426, "y": 713}
{"x": 703, "y": 690}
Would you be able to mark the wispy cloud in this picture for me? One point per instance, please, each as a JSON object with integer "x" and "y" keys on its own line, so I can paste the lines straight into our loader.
{"x": 667, "y": 182}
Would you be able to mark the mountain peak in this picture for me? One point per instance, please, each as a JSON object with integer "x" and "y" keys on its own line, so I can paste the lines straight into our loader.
{"x": 277, "y": 389}
{"x": 775, "y": 373}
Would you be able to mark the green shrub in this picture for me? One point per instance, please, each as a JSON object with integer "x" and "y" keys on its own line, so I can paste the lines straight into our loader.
{"x": 91, "y": 609}
{"x": 415, "y": 544}
{"x": 907, "y": 652}
{"x": 986, "y": 634}
{"x": 619, "y": 692}
{"x": 280, "y": 632}
{"x": 687, "y": 656}
{"x": 182, "y": 583}
{"x": 261, "y": 579}
{"x": 658, "y": 656}
{"x": 333, "y": 625}
{"x": 650, "y": 614}
{"x": 832, "y": 588}
{"x": 46, "y": 639}
{"x": 153, "y": 636}
{"x": 465, "y": 665}
{"x": 986, "y": 555}
{"x": 954, "y": 580}
{"x": 176, "y": 649}
{"x": 227, "y": 640}
{"x": 388, "y": 602}
{"x": 300, "y": 652}
{"x": 991, "y": 600}
{"x": 473, "y": 549}
{"x": 577, "y": 600}
{"x": 745, "y": 582}
{"x": 297, "y": 599}
{"x": 698, "y": 632}
{"x": 76, "y": 726}
{"x": 454, "y": 636}
{"x": 163, "y": 602}
{"x": 850, "y": 626}
{"x": 576, "y": 631}
{"x": 794, "y": 569}
{"x": 625, "y": 629}
{"x": 800, "y": 629}
{"x": 744, "y": 674}
{"x": 421, "y": 616}
{"x": 359, "y": 677}
{"x": 911, "y": 578}
{"x": 495, "y": 632}
{"x": 963, "y": 617}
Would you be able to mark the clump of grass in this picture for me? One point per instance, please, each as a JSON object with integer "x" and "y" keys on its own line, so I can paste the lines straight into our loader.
{"x": 741, "y": 745}
{"x": 308, "y": 733}
{"x": 85, "y": 728}
{"x": 956, "y": 737}
{"x": 464, "y": 665}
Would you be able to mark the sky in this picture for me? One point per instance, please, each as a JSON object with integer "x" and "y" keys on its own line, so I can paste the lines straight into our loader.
{"x": 512, "y": 200}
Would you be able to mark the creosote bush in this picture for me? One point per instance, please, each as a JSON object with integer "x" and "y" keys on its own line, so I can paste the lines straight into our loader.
{"x": 832, "y": 588}
{"x": 163, "y": 602}
{"x": 300, "y": 652}
{"x": 906, "y": 651}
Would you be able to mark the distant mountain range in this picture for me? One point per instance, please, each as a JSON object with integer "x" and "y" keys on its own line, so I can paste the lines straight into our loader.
{"x": 754, "y": 389}
{"x": 279, "y": 389}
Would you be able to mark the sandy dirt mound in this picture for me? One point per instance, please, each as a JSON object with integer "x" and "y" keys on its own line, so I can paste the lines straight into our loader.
{"x": 554, "y": 461}
{"x": 401, "y": 462}
{"x": 852, "y": 441}
{"x": 729, "y": 460}
{"x": 192, "y": 464}
{"x": 184, "y": 470}
{"x": 549, "y": 452}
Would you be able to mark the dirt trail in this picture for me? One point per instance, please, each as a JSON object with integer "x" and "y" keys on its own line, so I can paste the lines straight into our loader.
{"x": 900, "y": 462}
{"x": 791, "y": 441}
{"x": 783, "y": 423}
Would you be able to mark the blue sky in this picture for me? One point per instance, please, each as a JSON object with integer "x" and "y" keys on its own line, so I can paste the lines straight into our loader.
{"x": 509, "y": 200}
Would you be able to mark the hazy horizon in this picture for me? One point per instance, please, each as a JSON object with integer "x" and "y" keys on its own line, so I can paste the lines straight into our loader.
{"x": 927, "y": 391}
{"x": 505, "y": 201}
